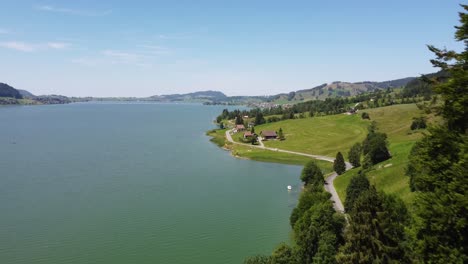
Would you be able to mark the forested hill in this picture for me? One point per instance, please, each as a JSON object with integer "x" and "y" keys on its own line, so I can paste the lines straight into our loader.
{"x": 8, "y": 91}
{"x": 10, "y": 95}
{"x": 205, "y": 96}
{"x": 340, "y": 89}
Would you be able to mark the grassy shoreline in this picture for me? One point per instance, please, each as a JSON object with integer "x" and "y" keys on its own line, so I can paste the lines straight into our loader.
{"x": 256, "y": 154}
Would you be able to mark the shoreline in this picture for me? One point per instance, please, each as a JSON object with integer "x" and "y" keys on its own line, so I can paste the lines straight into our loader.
{"x": 220, "y": 136}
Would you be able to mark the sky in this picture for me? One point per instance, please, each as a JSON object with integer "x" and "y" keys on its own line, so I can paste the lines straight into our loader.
{"x": 144, "y": 48}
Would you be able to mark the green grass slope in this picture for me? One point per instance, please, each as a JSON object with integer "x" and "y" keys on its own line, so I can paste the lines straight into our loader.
{"x": 324, "y": 135}
{"x": 389, "y": 175}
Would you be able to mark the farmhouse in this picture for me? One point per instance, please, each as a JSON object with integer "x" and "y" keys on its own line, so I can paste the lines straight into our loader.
{"x": 240, "y": 127}
{"x": 248, "y": 134}
{"x": 268, "y": 134}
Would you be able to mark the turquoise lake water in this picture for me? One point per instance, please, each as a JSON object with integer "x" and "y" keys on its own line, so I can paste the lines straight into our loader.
{"x": 133, "y": 183}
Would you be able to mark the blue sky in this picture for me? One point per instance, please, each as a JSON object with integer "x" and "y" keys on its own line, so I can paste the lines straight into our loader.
{"x": 143, "y": 48}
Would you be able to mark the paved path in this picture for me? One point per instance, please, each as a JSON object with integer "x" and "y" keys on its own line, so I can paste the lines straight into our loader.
{"x": 329, "y": 187}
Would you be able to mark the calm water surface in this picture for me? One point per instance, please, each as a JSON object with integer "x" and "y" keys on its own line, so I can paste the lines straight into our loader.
{"x": 132, "y": 183}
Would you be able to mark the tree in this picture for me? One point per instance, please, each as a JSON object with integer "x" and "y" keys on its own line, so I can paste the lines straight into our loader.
{"x": 354, "y": 155}
{"x": 306, "y": 200}
{"x": 339, "y": 164}
{"x": 280, "y": 134}
{"x": 221, "y": 125}
{"x": 418, "y": 123}
{"x": 454, "y": 92}
{"x": 239, "y": 120}
{"x": 259, "y": 119}
{"x": 284, "y": 254}
{"x": 374, "y": 146}
{"x": 365, "y": 115}
{"x": 258, "y": 259}
{"x": 437, "y": 169}
{"x": 357, "y": 185}
{"x": 318, "y": 233}
{"x": 252, "y": 130}
{"x": 439, "y": 162}
{"x": 312, "y": 175}
{"x": 254, "y": 139}
{"x": 376, "y": 230}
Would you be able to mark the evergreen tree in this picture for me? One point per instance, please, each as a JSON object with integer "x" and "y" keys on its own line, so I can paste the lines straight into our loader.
{"x": 376, "y": 230}
{"x": 280, "y": 134}
{"x": 252, "y": 130}
{"x": 339, "y": 164}
{"x": 357, "y": 185}
{"x": 254, "y": 139}
{"x": 239, "y": 120}
{"x": 374, "y": 146}
{"x": 354, "y": 155}
{"x": 438, "y": 165}
{"x": 455, "y": 91}
{"x": 259, "y": 119}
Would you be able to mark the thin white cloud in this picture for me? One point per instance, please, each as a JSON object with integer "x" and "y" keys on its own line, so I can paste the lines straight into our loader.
{"x": 109, "y": 56}
{"x": 87, "y": 61}
{"x": 54, "y": 9}
{"x": 57, "y": 45}
{"x": 155, "y": 49}
{"x": 173, "y": 36}
{"x": 19, "y": 46}
{"x": 32, "y": 47}
{"x": 122, "y": 56}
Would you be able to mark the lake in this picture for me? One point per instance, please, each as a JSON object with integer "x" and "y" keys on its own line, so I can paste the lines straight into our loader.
{"x": 133, "y": 183}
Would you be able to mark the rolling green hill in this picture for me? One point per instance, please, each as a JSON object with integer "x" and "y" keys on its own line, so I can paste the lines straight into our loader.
{"x": 326, "y": 135}
{"x": 389, "y": 175}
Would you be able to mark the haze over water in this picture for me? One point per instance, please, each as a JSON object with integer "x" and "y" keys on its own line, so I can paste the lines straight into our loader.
{"x": 133, "y": 183}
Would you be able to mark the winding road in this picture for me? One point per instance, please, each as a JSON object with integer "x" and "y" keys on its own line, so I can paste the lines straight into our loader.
{"x": 329, "y": 187}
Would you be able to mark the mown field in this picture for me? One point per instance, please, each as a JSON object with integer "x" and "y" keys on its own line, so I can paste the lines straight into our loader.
{"x": 389, "y": 175}
{"x": 324, "y": 135}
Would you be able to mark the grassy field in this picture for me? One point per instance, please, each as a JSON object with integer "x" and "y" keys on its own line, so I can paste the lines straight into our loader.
{"x": 389, "y": 175}
{"x": 327, "y": 135}
{"x": 218, "y": 137}
{"x": 319, "y": 135}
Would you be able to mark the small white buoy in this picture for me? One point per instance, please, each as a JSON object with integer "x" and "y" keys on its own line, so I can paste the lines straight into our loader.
{"x": 289, "y": 187}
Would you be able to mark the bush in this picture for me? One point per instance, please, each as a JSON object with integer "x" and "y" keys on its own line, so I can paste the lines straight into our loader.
{"x": 418, "y": 123}
{"x": 365, "y": 115}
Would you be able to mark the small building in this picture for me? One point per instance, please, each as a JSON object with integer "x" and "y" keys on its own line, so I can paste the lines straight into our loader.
{"x": 248, "y": 134}
{"x": 240, "y": 127}
{"x": 268, "y": 134}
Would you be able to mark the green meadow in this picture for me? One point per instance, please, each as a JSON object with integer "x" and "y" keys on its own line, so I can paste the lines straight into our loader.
{"x": 389, "y": 175}
{"x": 326, "y": 135}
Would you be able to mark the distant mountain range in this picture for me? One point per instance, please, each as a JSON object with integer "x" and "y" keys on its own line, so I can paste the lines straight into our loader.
{"x": 10, "y": 95}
